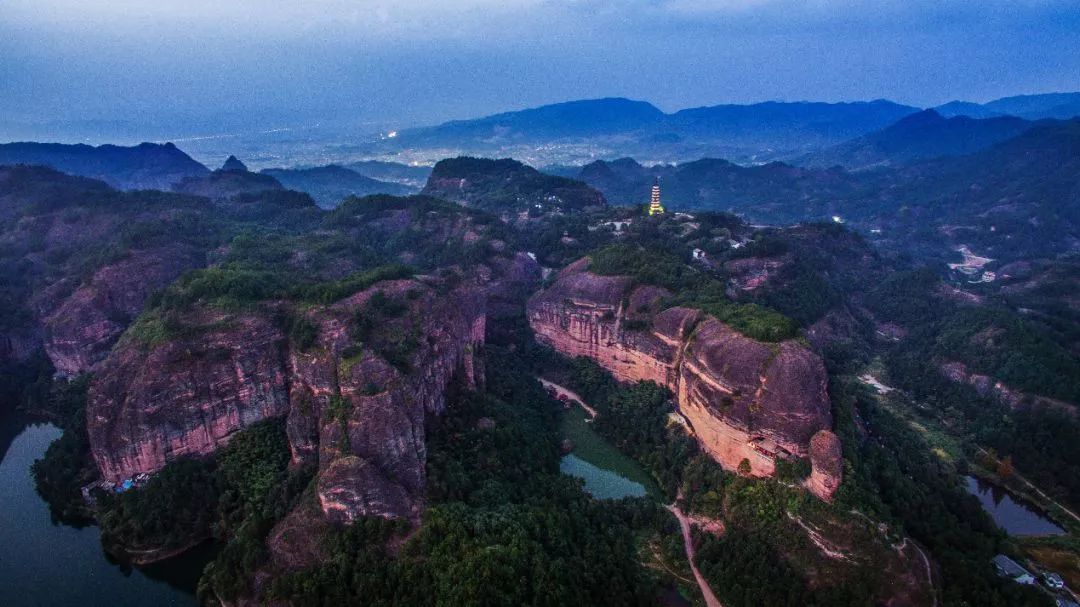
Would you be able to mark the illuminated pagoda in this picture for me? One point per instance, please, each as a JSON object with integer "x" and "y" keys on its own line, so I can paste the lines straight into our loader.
{"x": 655, "y": 208}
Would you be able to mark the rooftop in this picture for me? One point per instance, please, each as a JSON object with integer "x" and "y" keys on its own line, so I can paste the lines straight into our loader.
{"x": 1009, "y": 567}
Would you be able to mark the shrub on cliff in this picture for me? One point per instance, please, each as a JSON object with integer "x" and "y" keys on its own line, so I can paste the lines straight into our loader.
{"x": 692, "y": 289}
{"x": 175, "y": 509}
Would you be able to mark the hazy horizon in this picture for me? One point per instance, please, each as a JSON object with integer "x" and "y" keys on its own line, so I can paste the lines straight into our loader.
{"x": 196, "y": 66}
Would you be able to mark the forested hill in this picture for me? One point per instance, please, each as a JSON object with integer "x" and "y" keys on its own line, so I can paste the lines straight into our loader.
{"x": 507, "y": 185}
{"x": 331, "y": 184}
{"x": 774, "y": 192}
{"x": 1016, "y": 199}
{"x": 156, "y": 290}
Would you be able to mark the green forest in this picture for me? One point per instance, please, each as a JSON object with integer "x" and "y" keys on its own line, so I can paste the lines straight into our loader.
{"x": 503, "y": 526}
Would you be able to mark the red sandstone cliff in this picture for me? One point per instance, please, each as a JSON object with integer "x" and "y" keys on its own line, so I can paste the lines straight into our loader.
{"x": 82, "y": 327}
{"x": 827, "y": 461}
{"x": 743, "y": 399}
{"x": 360, "y": 419}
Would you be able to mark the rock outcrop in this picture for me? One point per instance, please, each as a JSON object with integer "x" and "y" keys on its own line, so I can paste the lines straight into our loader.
{"x": 83, "y": 259}
{"x": 827, "y": 464}
{"x": 990, "y": 387}
{"x": 744, "y": 399}
{"x": 148, "y": 405}
{"x": 83, "y": 327}
{"x": 355, "y": 412}
{"x": 232, "y": 163}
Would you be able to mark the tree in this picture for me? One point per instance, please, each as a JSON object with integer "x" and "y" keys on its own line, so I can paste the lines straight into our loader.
{"x": 744, "y": 467}
{"x": 1005, "y": 467}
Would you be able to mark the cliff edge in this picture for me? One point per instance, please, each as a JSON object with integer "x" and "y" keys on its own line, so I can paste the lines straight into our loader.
{"x": 743, "y": 399}
{"x": 354, "y": 407}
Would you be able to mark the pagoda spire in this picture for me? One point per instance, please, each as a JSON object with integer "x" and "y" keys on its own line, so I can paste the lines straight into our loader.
{"x": 655, "y": 208}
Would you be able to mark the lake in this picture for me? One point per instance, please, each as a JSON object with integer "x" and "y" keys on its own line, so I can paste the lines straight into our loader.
{"x": 607, "y": 472}
{"x": 45, "y": 564}
{"x": 1016, "y": 518}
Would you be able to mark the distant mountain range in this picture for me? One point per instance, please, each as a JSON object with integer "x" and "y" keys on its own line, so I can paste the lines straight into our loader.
{"x": 926, "y": 134}
{"x": 743, "y": 132}
{"x": 575, "y": 133}
{"x": 165, "y": 167}
{"x": 145, "y": 166}
{"x": 611, "y": 127}
{"x": 965, "y": 108}
{"x": 1060, "y": 106}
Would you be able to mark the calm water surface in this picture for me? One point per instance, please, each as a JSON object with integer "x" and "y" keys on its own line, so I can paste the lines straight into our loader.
{"x": 1014, "y": 517}
{"x": 608, "y": 473}
{"x": 45, "y": 564}
{"x": 600, "y": 483}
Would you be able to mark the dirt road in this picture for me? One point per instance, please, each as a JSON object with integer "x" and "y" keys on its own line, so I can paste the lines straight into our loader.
{"x": 688, "y": 544}
{"x": 561, "y": 391}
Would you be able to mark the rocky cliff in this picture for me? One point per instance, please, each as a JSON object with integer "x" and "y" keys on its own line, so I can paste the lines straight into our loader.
{"x": 827, "y": 463}
{"x": 352, "y": 409}
{"x": 82, "y": 327}
{"x": 743, "y": 399}
{"x": 78, "y": 260}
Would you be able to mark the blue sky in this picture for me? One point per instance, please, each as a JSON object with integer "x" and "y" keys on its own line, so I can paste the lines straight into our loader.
{"x": 425, "y": 61}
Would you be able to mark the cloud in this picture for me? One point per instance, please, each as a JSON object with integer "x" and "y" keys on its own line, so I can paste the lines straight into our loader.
{"x": 240, "y": 16}
{"x": 432, "y": 59}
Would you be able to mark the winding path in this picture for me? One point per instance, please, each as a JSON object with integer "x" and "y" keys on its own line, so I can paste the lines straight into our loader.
{"x": 561, "y": 391}
{"x": 684, "y": 522}
{"x": 688, "y": 544}
{"x": 926, "y": 561}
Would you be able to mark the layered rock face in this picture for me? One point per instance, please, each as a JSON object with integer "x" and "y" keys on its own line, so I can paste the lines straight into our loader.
{"x": 743, "y": 399}
{"x": 150, "y": 405}
{"x": 351, "y": 412}
{"x": 83, "y": 327}
{"x": 990, "y": 387}
{"x": 83, "y": 259}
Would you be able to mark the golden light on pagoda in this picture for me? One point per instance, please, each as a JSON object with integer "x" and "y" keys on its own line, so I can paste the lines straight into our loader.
{"x": 655, "y": 208}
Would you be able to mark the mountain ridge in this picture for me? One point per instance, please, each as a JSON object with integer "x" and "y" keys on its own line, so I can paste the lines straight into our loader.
{"x": 144, "y": 166}
{"x": 926, "y": 134}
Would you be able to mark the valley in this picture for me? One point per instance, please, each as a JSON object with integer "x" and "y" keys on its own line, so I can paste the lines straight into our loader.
{"x": 486, "y": 383}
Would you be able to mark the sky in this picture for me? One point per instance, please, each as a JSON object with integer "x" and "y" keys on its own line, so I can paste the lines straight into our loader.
{"x": 196, "y": 64}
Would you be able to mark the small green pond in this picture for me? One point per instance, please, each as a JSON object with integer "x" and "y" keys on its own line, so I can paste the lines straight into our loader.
{"x": 607, "y": 472}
